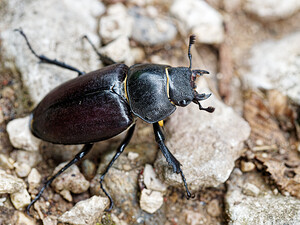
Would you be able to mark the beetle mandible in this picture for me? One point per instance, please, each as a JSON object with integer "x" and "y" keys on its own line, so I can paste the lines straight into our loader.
{"x": 103, "y": 103}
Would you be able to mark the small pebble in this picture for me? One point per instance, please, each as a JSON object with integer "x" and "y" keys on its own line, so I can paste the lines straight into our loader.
{"x": 10, "y": 184}
{"x": 20, "y": 135}
{"x": 151, "y": 201}
{"x": 132, "y": 155}
{"x": 29, "y": 158}
{"x": 22, "y": 169}
{"x": 20, "y": 199}
{"x": 66, "y": 195}
{"x": 86, "y": 211}
{"x": 71, "y": 180}
{"x": 213, "y": 208}
{"x": 247, "y": 166}
{"x": 151, "y": 181}
{"x": 5, "y": 162}
{"x": 251, "y": 190}
{"x": 119, "y": 50}
{"x": 88, "y": 168}
{"x": 116, "y": 23}
{"x": 34, "y": 179}
{"x": 23, "y": 219}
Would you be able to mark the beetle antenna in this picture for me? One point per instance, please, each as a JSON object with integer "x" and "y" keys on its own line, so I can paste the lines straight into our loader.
{"x": 191, "y": 42}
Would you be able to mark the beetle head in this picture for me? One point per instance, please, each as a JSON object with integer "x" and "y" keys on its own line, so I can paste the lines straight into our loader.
{"x": 182, "y": 87}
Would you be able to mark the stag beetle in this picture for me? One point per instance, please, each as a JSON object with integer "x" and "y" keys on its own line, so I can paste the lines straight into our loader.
{"x": 100, "y": 104}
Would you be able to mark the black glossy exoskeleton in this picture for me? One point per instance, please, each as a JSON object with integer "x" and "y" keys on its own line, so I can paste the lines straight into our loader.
{"x": 101, "y": 104}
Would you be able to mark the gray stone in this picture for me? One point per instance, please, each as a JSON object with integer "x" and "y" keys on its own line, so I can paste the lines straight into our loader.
{"x": 85, "y": 212}
{"x": 199, "y": 18}
{"x": 71, "y": 180}
{"x": 150, "y": 200}
{"x": 206, "y": 144}
{"x": 152, "y": 31}
{"x": 20, "y": 135}
{"x": 51, "y": 34}
{"x": 20, "y": 199}
{"x": 34, "y": 179}
{"x": 272, "y": 10}
{"x": 22, "y": 169}
{"x": 6, "y": 162}
{"x": 151, "y": 181}
{"x": 10, "y": 184}
{"x": 276, "y": 65}
{"x": 115, "y": 23}
{"x": 119, "y": 50}
{"x": 263, "y": 209}
{"x": 28, "y": 157}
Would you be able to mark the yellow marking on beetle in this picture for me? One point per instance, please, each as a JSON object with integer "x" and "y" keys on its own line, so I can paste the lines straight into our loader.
{"x": 168, "y": 81}
{"x": 168, "y": 85}
{"x": 161, "y": 123}
{"x": 125, "y": 88}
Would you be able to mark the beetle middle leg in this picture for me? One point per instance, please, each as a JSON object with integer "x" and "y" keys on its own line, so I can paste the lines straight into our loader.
{"x": 84, "y": 151}
{"x": 159, "y": 137}
{"x": 118, "y": 153}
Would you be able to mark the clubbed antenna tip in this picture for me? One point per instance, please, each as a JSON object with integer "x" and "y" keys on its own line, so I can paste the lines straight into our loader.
{"x": 192, "y": 41}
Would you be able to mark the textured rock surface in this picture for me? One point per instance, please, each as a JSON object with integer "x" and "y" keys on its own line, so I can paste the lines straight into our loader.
{"x": 272, "y": 10}
{"x": 205, "y": 144}
{"x": 10, "y": 184}
{"x": 51, "y": 34}
{"x": 85, "y": 212}
{"x": 265, "y": 208}
{"x": 20, "y": 135}
{"x": 71, "y": 180}
{"x": 276, "y": 65}
{"x": 200, "y": 19}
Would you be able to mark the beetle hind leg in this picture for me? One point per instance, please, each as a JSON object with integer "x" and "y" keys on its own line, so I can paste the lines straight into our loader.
{"x": 159, "y": 137}
{"x": 120, "y": 149}
{"x": 85, "y": 150}
{"x": 45, "y": 59}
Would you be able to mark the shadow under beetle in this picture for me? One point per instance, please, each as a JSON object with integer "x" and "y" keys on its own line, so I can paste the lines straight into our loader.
{"x": 101, "y": 104}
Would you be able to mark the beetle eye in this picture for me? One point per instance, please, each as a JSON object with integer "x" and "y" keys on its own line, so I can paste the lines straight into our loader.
{"x": 183, "y": 103}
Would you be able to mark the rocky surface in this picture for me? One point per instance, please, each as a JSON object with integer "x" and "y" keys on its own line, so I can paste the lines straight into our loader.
{"x": 51, "y": 34}
{"x": 275, "y": 64}
{"x": 85, "y": 212}
{"x": 261, "y": 207}
{"x": 246, "y": 54}
{"x": 204, "y": 147}
{"x": 272, "y": 10}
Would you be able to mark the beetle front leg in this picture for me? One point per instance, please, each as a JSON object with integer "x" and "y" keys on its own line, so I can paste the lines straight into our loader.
{"x": 159, "y": 137}
{"x": 45, "y": 59}
{"x": 85, "y": 150}
{"x": 104, "y": 59}
{"x": 118, "y": 153}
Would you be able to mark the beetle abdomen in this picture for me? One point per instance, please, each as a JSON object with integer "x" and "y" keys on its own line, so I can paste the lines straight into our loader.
{"x": 84, "y": 110}
{"x": 147, "y": 92}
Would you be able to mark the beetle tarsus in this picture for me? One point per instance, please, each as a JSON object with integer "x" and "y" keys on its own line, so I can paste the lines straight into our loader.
{"x": 85, "y": 150}
{"x": 159, "y": 137}
{"x": 45, "y": 59}
{"x": 118, "y": 153}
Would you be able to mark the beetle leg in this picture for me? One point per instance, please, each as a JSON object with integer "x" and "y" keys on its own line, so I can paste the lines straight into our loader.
{"x": 85, "y": 150}
{"x": 159, "y": 137}
{"x": 118, "y": 153}
{"x": 45, "y": 59}
{"x": 104, "y": 59}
